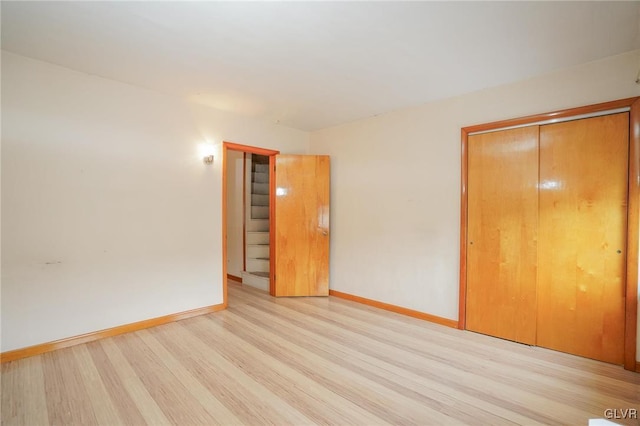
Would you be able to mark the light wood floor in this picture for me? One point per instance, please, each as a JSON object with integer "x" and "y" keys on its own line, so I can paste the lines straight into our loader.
{"x": 309, "y": 360}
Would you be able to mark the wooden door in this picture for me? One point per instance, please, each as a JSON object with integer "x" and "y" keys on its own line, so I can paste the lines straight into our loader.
{"x": 582, "y": 234}
{"x": 302, "y": 225}
{"x": 502, "y": 224}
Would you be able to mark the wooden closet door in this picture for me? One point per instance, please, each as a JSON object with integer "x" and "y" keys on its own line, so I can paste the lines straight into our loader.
{"x": 502, "y": 223}
{"x": 581, "y": 248}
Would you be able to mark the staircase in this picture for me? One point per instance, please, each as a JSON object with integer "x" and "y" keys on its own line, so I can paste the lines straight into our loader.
{"x": 257, "y": 238}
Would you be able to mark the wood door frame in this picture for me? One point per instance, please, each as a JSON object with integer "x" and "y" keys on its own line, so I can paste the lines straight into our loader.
{"x": 244, "y": 211}
{"x": 633, "y": 215}
{"x": 248, "y": 150}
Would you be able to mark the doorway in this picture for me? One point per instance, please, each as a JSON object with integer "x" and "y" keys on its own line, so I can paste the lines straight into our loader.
{"x": 247, "y": 213}
{"x": 298, "y": 234}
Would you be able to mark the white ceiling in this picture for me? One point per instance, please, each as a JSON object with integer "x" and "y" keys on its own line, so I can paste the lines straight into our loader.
{"x": 311, "y": 65}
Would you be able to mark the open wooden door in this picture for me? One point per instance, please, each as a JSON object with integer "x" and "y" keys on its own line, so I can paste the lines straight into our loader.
{"x": 301, "y": 222}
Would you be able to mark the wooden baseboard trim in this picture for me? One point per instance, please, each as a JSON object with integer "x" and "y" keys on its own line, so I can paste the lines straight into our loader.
{"x": 397, "y": 309}
{"x": 234, "y": 278}
{"x": 109, "y": 332}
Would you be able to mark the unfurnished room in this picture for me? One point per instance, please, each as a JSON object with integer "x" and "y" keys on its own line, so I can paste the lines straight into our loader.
{"x": 319, "y": 212}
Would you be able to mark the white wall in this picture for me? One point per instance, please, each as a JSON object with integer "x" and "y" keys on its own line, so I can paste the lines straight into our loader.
{"x": 235, "y": 194}
{"x": 109, "y": 215}
{"x": 395, "y": 201}
{"x": 105, "y": 178}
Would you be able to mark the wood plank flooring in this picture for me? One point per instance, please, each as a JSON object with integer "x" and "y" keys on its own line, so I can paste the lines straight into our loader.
{"x": 309, "y": 361}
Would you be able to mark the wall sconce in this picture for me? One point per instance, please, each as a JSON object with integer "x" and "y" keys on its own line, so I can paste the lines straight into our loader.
{"x": 206, "y": 150}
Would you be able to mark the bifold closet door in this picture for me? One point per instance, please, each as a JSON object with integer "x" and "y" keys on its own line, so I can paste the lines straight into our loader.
{"x": 501, "y": 233}
{"x": 582, "y": 234}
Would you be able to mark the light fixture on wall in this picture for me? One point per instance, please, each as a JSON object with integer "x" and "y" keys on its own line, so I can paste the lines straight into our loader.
{"x": 206, "y": 150}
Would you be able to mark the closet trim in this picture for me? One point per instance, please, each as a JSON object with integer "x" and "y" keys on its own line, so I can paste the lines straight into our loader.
{"x": 557, "y": 120}
{"x": 633, "y": 227}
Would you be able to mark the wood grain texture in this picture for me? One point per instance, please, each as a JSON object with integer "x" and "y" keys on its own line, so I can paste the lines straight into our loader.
{"x": 250, "y": 149}
{"x": 397, "y": 309}
{"x": 225, "y": 190}
{"x": 269, "y": 360}
{"x": 502, "y": 233}
{"x": 24, "y": 399}
{"x": 234, "y": 278}
{"x": 565, "y": 113}
{"x": 633, "y": 234}
{"x": 273, "y": 252}
{"x": 582, "y": 236}
{"x": 96, "y": 335}
{"x": 302, "y": 225}
{"x": 464, "y": 215}
{"x": 244, "y": 212}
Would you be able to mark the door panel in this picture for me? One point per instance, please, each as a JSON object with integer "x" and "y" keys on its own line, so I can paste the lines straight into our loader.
{"x": 302, "y": 225}
{"x": 582, "y": 234}
{"x": 502, "y": 224}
